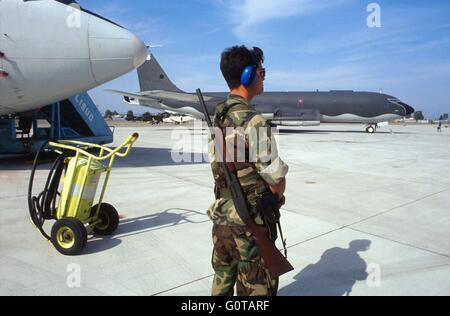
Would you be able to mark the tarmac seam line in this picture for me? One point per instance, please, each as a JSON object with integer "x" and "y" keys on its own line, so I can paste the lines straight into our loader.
{"x": 376, "y": 215}
{"x": 401, "y": 243}
{"x": 397, "y": 207}
{"x": 211, "y": 275}
{"x": 182, "y": 285}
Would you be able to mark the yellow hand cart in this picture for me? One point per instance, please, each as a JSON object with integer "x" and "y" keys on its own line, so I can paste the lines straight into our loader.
{"x": 70, "y": 190}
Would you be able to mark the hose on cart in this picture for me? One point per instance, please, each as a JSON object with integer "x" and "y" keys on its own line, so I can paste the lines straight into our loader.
{"x": 43, "y": 206}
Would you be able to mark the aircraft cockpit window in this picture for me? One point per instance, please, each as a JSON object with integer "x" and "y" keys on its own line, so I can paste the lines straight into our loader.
{"x": 396, "y": 101}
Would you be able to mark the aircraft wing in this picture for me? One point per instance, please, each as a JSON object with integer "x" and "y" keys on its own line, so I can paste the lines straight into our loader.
{"x": 156, "y": 97}
{"x": 138, "y": 99}
{"x": 177, "y": 96}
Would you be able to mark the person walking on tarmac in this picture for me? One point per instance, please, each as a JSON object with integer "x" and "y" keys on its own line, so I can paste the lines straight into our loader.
{"x": 236, "y": 260}
{"x": 439, "y": 128}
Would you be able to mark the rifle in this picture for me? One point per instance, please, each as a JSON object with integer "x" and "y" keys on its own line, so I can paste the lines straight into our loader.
{"x": 275, "y": 262}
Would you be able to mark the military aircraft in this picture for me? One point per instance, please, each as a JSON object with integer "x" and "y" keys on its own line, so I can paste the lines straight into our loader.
{"x": 51, "y": 50}
{"x": 179, "y": 119}
{"x": 279, "y": 108}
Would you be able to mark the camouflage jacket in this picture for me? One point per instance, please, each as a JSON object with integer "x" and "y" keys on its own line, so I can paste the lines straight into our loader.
{"x": 253, "y": 151}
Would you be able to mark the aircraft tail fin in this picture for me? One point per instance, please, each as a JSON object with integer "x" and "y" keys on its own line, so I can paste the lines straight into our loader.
{"x": 152, "y": 77}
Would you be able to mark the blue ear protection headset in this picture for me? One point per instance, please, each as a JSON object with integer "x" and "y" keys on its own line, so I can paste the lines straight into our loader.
{"x": 249, "y": 74}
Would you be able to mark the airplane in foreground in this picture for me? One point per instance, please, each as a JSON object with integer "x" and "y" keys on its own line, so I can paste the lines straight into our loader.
{"x": 279, "y": 108}
{"x": 51, "y": 52}
{"x": 46, "y": 57}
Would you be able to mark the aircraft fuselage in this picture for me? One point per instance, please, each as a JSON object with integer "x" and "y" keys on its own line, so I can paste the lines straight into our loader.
{"x": 333, "y": 106}
{"x": 50, "y": 51}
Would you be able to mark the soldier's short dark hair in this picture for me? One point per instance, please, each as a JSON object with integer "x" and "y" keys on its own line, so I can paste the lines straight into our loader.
{"x": 235, "y": 59}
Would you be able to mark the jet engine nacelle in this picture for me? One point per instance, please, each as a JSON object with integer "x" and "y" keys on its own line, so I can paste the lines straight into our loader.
{"x": 303, "y": 117}
{"x": 294, "y": 123}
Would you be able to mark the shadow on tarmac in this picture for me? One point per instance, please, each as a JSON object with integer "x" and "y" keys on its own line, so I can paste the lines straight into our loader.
{"x": 326, "y": 132}
{"x": 144, "y": 224}
{"x": 334, "y": 275}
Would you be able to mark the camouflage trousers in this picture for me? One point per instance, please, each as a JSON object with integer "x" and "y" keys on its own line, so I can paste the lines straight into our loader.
{"x": 237, "y": 261}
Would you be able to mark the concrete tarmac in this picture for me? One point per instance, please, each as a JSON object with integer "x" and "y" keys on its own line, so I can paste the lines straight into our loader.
{"x": 365, "y": 215}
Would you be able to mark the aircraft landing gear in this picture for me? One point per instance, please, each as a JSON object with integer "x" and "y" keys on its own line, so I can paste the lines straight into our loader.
{"x": 372, "y": 128}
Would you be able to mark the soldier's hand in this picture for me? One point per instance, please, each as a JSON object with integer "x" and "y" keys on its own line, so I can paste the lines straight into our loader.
{"x": 282, "y": 202}
{"x": 280, "y": 188}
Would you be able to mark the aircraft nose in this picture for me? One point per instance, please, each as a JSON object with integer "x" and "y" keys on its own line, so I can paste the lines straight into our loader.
{"x": 403, "y": 109}
{"x": 409, "y": 109}
{"x": 113, "y": 50}
{"x": 140, "y": 52}
{"x": 400, "y": 110}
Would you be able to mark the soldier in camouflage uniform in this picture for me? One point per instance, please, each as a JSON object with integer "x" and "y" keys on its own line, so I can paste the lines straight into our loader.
{"x": 236, "y": 259}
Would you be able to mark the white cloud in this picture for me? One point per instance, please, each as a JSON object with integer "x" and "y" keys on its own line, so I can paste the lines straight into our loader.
{"x": 250, "y": 14}
{"x": 405, "y": 29}
{"x": 332, "y": 78}
{"x": 114, "y": 9}
{"x": 357, "y": 76}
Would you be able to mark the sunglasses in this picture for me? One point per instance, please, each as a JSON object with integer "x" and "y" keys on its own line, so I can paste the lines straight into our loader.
{"x": 262, "y": 72}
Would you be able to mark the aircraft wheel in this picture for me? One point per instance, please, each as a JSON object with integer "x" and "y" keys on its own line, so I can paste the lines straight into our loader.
{"x": 370, "y": 130}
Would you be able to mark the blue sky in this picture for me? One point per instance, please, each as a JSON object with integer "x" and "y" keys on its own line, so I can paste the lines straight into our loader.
{"x": 309, "y": 45}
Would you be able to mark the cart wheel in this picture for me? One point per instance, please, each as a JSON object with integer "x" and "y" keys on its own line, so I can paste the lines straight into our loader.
{"x": 109, "y": 220}
{"x": 69, "y": 236}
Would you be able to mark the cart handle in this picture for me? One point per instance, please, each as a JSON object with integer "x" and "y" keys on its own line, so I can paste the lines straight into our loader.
{"x": 70, "y": 145}
{"x": 128, "y": 144}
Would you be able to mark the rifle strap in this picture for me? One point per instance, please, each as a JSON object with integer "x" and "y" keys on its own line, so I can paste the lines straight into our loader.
{"x": 219, "y": 119}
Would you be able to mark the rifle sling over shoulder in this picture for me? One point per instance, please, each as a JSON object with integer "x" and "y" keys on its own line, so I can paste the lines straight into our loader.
{"x": 275, "y": 262}
{"x": 267, "y": 205}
